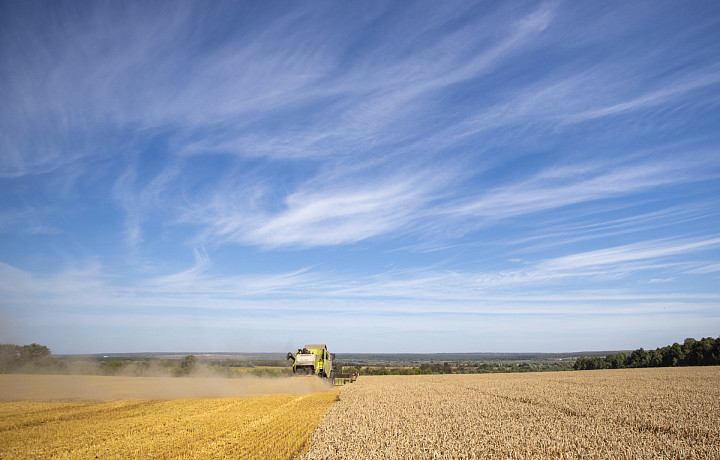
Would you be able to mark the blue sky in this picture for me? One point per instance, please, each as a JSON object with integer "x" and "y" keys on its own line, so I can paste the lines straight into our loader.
{"x": 377, "y": 176}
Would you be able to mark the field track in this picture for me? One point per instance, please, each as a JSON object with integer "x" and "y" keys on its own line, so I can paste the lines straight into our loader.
{"x": 668, "y": 413}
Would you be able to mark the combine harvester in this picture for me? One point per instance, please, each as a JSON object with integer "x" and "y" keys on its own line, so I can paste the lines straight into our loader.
{"x": 315, "y": 360}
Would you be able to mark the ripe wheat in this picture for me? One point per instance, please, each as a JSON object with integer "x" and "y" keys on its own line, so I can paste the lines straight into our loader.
{"x": 632, "y": 413}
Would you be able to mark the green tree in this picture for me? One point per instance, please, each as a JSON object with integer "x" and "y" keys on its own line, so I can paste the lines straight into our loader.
{"x": 9, "y": 357}
{"x": 715, "y": 354}
{"x": 690, "y": 352}
{"x": 672, "y": 355}
{"x": 702, "y": 351}
{"x": 188, "y": 365}
{"x": 112, "y": 367}
{"x": 13, "y": 357}
{"x": 617, "y": 360}
{"x": 638, "y": 358}
{"x": 655, "y": 358}
{"x": 34, "y": 353}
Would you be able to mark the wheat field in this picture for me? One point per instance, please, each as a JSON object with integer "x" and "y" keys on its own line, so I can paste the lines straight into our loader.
{"x": 668, "y": 413}
{"x": 262, "y": 427}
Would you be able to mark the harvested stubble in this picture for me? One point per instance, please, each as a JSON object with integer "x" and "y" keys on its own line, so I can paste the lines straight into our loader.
{"x": 628, "y": 413}
{"x": 271, "y": 427}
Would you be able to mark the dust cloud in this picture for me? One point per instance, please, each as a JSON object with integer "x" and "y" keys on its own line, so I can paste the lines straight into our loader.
{"x": 16, "y": 387}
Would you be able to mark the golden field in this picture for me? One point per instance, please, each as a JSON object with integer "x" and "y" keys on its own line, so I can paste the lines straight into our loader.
{"x": 269, "y": 426}
{"x": 666, "y": 413}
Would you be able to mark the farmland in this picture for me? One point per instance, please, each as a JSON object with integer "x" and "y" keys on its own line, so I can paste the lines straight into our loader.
{"x": 623, "y": 413}
{"x": 626, "y": 413}
{"x": 258, "y": 426}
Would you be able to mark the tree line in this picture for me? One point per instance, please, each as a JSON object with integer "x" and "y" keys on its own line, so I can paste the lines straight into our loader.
{"x": 703, "y": 352}
{"x": 38, "y": 359}
{"x": 14, "y": 357}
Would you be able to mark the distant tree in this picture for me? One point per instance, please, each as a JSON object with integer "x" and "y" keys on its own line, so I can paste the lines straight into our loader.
{"x": 700, "y": 352}
{"x": 188, "y": 364}
{"x": 655, "y": 358}
{"x": 34, "y": 353}
{"x": 691, "y": 357}
{"x": 13, "y": 357}
{"x": 112, "y": 367}
{"x": 673, "y": 356}
{"x": 9, "y": 357}
{"x": 580, "y": 364}
{"x": 638, "y": 358}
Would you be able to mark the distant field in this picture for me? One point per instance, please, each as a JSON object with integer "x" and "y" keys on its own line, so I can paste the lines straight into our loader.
{"x": 273, "y": 426}
{"x": 629, "y": 413}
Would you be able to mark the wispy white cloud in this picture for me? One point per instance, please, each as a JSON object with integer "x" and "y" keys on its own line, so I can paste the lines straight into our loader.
{"x": 565, "y": 151}
{"x": 137, "y": 200}
{"x": 338, "y": 206}
{"x": 527, "y": 288}
{"x": 673, "y": 92}
{"x": 296, "y": 64}
{"x": 378, "y": 99}
{"x": 587, "y": 95}
{"x": 28, "y": 220}
{"x": 344, "y": 215}
{"x": 601, "y": 223}
{"x": 73, "y": 287}
{"x": 616, "y": 257}
{"x": 709, "y": 268}
{"x": 567, "y": 185}
{"x": 356, "y": 116}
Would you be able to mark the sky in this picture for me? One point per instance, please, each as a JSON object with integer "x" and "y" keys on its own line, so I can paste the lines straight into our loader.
{"x": 379, "y": 176}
